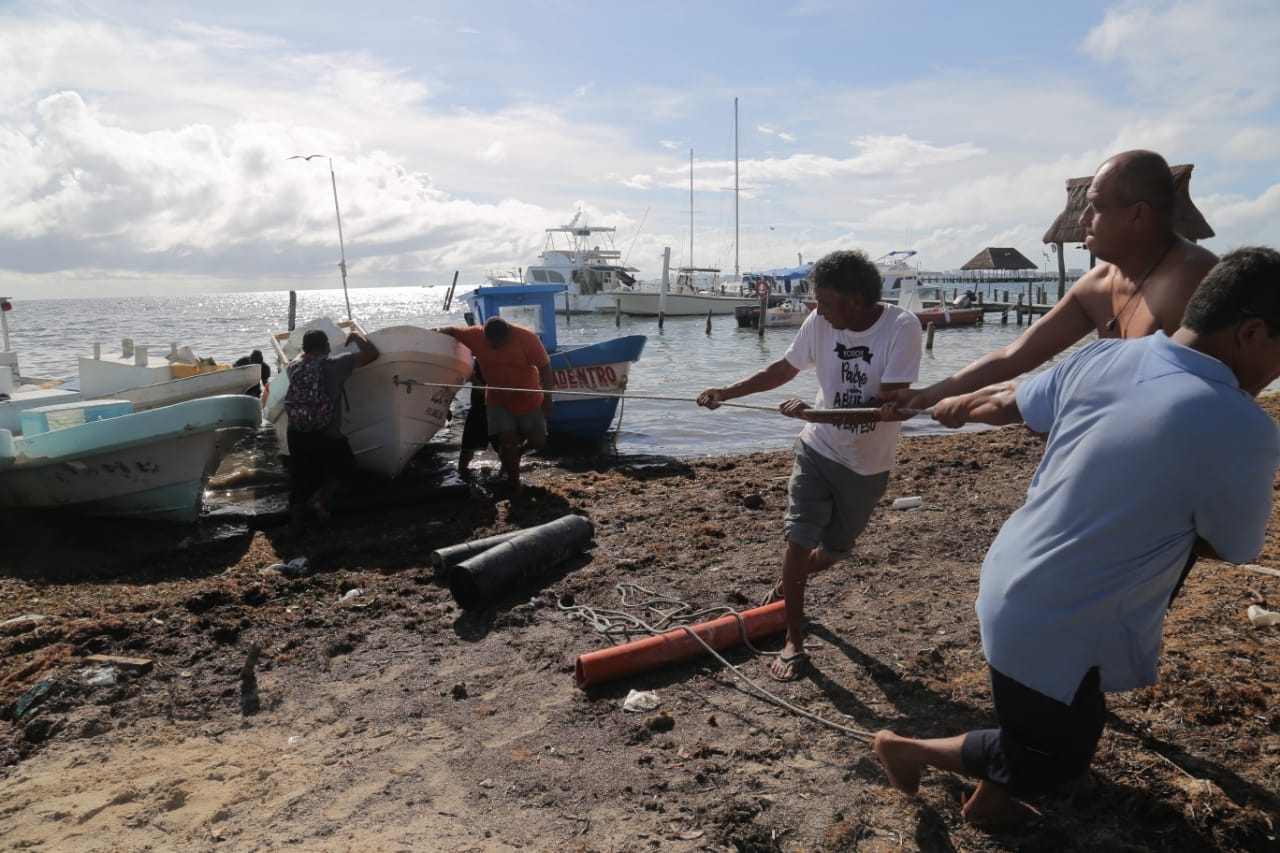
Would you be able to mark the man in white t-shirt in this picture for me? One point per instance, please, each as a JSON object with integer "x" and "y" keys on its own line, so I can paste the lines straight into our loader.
{"x": 858, "y": 347}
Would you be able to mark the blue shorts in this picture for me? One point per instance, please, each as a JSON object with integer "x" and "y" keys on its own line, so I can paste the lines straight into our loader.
{"x": 530, "y": 423}
{"x": 1041, "y": 743}
{"x": 828, "y": 504}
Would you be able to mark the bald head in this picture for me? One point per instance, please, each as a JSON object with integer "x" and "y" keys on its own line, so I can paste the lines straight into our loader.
{"x": 1142, "y": 176}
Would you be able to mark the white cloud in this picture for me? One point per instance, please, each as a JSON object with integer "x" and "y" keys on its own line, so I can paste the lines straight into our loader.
{"x": 155, "y": 145}
{"x": 1193, "y": 51}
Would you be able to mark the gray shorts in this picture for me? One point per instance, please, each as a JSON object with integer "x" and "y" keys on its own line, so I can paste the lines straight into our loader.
{"x": 530, "y": 423}
{"x": 829, "y": 505}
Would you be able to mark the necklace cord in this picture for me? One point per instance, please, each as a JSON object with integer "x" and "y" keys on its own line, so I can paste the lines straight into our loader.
{"x": 1115, "y": 318}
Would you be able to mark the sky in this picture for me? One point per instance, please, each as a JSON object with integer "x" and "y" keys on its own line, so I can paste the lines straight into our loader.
{"x": 147, "y": 147}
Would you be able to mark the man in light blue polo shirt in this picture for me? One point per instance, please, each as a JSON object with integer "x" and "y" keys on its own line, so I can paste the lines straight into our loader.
{"x": 1156, "y": 447}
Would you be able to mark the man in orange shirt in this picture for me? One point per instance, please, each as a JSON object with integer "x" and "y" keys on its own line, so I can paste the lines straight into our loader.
{"x": 518, "y": 374}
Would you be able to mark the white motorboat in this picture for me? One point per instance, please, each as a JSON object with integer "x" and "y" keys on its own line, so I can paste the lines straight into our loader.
{"x": 102, "y": 458}
{"x": 145, "y": 380}
{"x": 789, "y": 314}
{"x": 895, "y": 269}
{"x": 582, "y": 258}
{"x": 697, "y": 291}
{"x": 393, "y": 406}
{"x": 939, "y": 312}
{"x": 649, "y": 303}
{"x": 149, "y": 381}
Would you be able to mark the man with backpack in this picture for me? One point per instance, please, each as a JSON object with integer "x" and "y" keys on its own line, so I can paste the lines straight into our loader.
{"x": 320, "y": 456}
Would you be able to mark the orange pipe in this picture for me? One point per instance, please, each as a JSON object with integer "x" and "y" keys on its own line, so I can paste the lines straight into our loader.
{"x": 676, "y": 646}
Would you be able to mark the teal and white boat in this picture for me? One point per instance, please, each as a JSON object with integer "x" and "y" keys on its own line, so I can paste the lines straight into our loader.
{"x": 102, "y": 458}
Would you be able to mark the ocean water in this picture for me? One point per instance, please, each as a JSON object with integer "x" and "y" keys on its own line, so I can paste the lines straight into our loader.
{"x": 658, "y": 414}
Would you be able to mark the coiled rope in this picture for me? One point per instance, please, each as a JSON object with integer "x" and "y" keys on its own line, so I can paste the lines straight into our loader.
{"x": 672, "y": 614}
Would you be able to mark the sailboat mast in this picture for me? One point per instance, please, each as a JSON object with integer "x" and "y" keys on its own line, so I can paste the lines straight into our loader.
{"x": 690, "y": 207}
{"x": 735, "y": 190}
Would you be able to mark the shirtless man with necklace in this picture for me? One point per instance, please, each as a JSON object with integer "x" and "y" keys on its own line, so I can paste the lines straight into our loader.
{"x": 1146, "y": 277}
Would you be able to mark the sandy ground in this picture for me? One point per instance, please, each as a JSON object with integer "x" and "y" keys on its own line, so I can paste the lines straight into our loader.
{"x": 389, "y": 719}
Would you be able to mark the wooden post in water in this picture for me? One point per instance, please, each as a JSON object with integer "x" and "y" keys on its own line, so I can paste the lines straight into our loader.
{"x": 293, "y": 309}
{"x": 448, "y": 296}
{"x": 617, "y": 313}
{"x": 1019, "y": 309}
{"x": 928, "y": 338}
{"x": 708, "y": 321}
{"x": 666, "y": 281}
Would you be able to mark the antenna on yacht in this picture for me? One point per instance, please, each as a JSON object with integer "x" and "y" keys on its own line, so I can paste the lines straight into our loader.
{"x": 637, "y": 235}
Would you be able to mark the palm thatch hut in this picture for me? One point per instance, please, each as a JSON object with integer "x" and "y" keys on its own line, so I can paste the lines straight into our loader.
{"x": 992, "y": 259}
{"x": 1187, "y": 219}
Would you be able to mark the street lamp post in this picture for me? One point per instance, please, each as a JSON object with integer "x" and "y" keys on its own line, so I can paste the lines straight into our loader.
{"x": 342, "y": 263}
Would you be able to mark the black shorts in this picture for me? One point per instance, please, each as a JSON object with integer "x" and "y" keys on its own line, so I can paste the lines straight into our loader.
{"x": 1041, "y": 743}
{"x": 314, "y": 459}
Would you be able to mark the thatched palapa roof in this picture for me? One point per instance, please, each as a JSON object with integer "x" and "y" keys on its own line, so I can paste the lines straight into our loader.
{"x": 1187, "y": 220}
{"x": 999, "y": 259}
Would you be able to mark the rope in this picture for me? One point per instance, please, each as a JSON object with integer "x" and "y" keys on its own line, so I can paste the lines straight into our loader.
{"x": 623, "y": 395}
{"x": 673, "y": 614}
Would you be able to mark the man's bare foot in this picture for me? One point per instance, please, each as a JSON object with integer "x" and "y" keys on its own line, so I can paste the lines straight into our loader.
{"x": 897, "y": 757}
{"x": 992, "y": 805}
{"x": 789, "y": 667}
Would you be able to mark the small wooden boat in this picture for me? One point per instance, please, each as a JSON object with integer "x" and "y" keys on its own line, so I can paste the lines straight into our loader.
{"x": 102, "y": 458}
{"x": 941, "y": 314}
{"x": 787, "y": 315}
{"x": 149, "y": 381}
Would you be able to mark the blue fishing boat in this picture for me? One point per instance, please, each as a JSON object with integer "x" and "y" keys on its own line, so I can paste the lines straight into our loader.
{"x": 587, "y": 380}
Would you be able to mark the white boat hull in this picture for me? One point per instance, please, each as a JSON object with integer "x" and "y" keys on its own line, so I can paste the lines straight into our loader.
{"x": 150, "y": 465}
{"x": 148, "y": 381}
{"x": 644, "y": 303}
{"x": 233, "y": 380}
{"x": 395, "y": 405}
